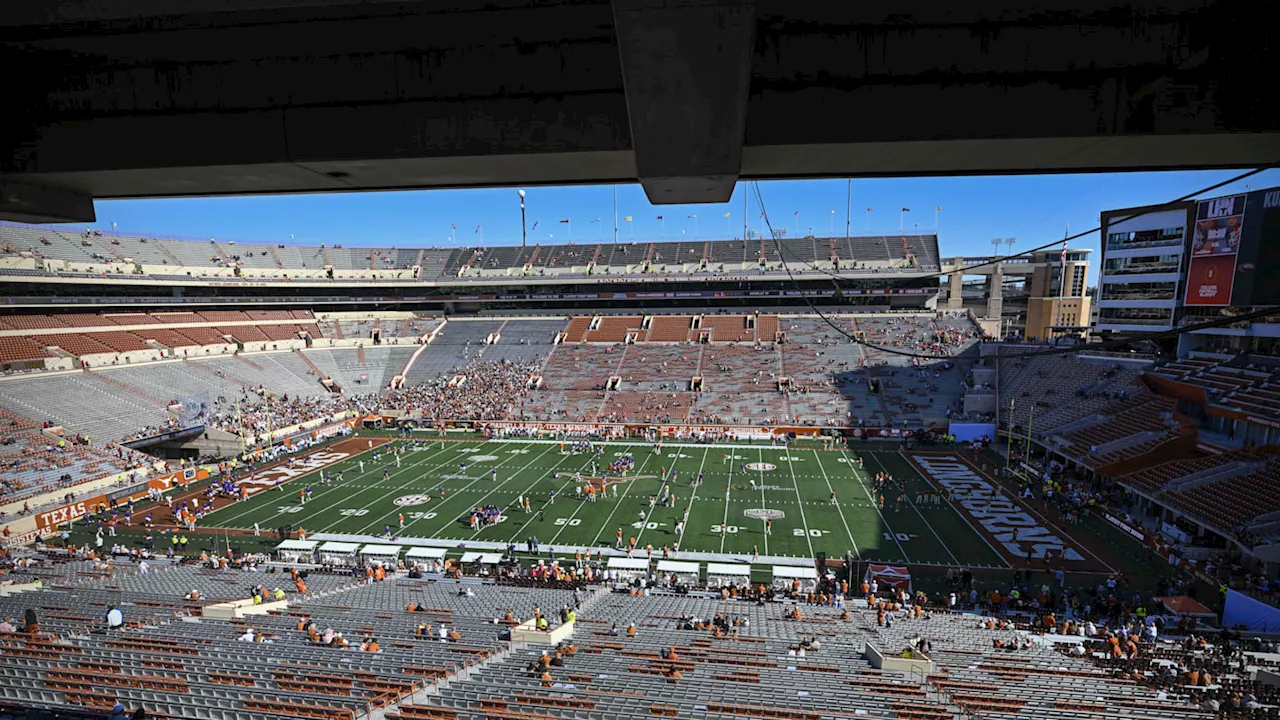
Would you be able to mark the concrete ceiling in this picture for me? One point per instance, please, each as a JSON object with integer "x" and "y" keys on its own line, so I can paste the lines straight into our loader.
{"x": 158, "y": 98}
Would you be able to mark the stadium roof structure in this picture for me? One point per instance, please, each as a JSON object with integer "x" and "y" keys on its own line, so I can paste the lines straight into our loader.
{"x": 40, "y": 255}
{"x": 684, "y": 98}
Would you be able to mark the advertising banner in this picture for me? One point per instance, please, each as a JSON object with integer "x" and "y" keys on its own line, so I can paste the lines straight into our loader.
{"x": 1215, "y": 244}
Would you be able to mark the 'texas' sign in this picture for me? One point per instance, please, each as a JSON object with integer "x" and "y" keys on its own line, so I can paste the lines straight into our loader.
{"x": 1008, "y": 522}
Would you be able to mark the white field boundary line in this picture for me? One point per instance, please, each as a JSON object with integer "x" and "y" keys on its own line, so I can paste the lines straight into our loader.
{"x": 928, "y": 524}
{"x": 533, "y": 515}
{"x": 583, "y": 503}
{"x": 874, "y": 506}
{"x": 526, "y": 466}
{"x": 818, "y": 459}
{"x": 633, "y": 443}
{"x": 693, "y": 498}
{"x": 528, "y": 490}
{"x": 609, "y": 519}
{"x": 400, "y": 488}
{"x": 1032, "y": 510}
{"x": 963, "y": 516}
{"x": 730, "y": 459}
{"x": 791, "y": 467}
{"x": 331, "y": 488}
{"x": 764, "y": 523}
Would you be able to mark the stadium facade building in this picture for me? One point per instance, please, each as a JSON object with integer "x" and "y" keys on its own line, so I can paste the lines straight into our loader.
{"x": 1168, "y": 266}
{"x": 1026, "y": 294}
{"x": 41, "y": 266}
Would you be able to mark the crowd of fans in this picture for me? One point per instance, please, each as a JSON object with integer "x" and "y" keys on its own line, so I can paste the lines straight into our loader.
{"x": 490, "y": 390}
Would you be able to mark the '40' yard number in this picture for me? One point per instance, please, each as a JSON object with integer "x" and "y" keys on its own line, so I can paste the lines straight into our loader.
{"x": 900, "y": 537}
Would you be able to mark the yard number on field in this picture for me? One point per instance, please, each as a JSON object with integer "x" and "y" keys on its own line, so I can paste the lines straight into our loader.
{"x": 901, "y": 537}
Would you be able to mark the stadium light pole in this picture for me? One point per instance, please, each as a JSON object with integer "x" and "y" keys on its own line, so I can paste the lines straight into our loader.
{"x": 996, "y": 242}
{"x": 524, "y": 231}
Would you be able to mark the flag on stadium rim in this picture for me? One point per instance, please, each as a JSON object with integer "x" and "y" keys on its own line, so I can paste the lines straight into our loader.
{"x": 565, "y": 220}
{"x": 453, "y": 226}
{"x": 728, "y": 214}
{"x": 535, "y": 224}
{"x": 906, "y": 209}
{"x": 694, "y": 217}
{"x": 478, "y": 227}
{"x": 627, "y": 219}
{"x": 660, "y": 217}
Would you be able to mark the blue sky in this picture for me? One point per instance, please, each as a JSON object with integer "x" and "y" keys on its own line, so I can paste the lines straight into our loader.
{"x": 1033, "y": 209}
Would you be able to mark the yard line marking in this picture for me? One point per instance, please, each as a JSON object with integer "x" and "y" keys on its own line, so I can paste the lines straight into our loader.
{"x": 727, "y": 489}
{"x": 874, "y": 506}
{"x": 353, "y": 460}
{"x": 399, "y": 488}
{"x": 928, "y": 524}
{"x": 513, "y": 476}
{"x": 618, "y": 504}
{"x": 763, "y": 503}
{"x": 692, "y": 499}
{"x": 473, "y": 482}
{"x": 830, "y": 487}
{"x": 533, "y": 516}
{"x": 799, "y": 502}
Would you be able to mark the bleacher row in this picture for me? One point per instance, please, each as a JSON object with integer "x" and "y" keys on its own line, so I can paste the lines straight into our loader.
{"x": 145, "y": 331}
{"x": 117, "y": 402}
{"x": 1239, "y": 383}
{"x": 1099, "y": 414}
{"x": 116, "y": 256}
{"x": 173, "y": 663}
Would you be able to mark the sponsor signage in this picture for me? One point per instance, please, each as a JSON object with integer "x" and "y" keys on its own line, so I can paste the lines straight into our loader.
{"x": 25, "y": 538}
{"x": 1128, "y": 529}
{"x": 1008, "y": 522}
{"x": 764, "y": 514}
{"x": 1215, "y": 244}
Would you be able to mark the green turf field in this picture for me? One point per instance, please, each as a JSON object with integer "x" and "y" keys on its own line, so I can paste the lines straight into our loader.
{"x": 798, "y": 483}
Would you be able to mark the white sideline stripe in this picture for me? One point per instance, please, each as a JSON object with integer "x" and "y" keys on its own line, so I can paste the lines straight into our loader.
{"x": 817, "y": 458}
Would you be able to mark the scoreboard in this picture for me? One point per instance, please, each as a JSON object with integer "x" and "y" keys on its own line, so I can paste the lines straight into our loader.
{"x": 1234, "y": 251}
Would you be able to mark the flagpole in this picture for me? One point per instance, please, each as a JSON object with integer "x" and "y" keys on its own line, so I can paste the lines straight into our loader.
{"x": 848, "y": 207}
{"x": 746, "y": 216}
{"x": 831, "y": 231}
{"x": 728, "y": 230}
{"x": 866, "y": 226}
{"x": 615, "y": 214}
{"x": 936, "y": 208}
{"x": 664, "y": 226}
{"x": 902, "y": 215}
{"x": 695, "y": 227}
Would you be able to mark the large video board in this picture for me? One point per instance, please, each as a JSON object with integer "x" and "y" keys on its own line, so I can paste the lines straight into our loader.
{"x": 1235, "y": 251}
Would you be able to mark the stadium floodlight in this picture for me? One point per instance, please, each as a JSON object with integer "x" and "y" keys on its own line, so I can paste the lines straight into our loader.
{"x": 524, "y": 232}
{"x": 996, "y": 243}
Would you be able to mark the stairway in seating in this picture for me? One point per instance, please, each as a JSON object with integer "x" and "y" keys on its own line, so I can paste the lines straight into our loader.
{"x": 248, "y": 362}
{"x": 314, "y": 368}
{"x": 275, "y": 256}
{"x": 102, "y": 377}
{"x": 360, "y": 355}
{"x": 228, "y": 377}
{"x": 226, "y": 259}
{"x": 167, "y": 253}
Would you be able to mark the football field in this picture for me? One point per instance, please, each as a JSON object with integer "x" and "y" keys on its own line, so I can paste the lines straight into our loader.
{"x": 436, "y": 486}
